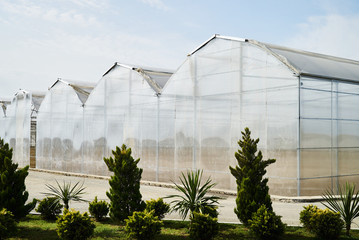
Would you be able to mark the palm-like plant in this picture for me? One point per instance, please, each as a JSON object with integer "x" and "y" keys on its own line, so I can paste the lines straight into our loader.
{"x": 346, "y": 203}
{"x": 193, "y": 197}
{"x": 66, "y": 193}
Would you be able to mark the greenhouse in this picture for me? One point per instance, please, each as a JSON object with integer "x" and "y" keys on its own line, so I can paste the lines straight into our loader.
{"x": 123, "y": 109}
{"x": 301, "y": 105}
{"x": 3, "y": 104}
{"x": 60, "y": 126}
{"x": 20, "y": 126}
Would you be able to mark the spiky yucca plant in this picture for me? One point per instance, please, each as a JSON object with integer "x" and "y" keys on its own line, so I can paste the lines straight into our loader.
{"x": 66, "y": 192}
{"x": 346, "y": 203}
{"x": 193, "y": 195}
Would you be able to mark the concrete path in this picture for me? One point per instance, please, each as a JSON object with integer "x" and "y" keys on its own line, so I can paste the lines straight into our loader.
{"x": 97, "y": 186}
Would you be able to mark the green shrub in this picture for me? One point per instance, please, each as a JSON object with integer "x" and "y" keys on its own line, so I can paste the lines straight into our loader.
{"x": 265, "y": 224}
{"x": 143, "y": 225}
{"x": 8, "y": 224}
{"x": 203, "y": 226}
{"x": 13, "y": 194}
{"x": 98, "y": 209}
{"x": 326, "y": 224}
{"x": 252, "y": 189}
{"x": 124, "y": 194}
{"x": 305, "y": 216}
{"x": 159, "y": 206}
{"x": 49, "y": 208}
{"x": 73, "y": 225}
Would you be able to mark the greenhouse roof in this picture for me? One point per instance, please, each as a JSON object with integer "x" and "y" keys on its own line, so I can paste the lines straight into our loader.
{"x": 156, "y": 78}
{"x": 3, "y": 104}
{"x": 37, "y": 98}
{"x": 305, "y": 63}
{"x": 82, "y": 89}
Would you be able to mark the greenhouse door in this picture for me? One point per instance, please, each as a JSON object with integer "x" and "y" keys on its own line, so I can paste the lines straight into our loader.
{"x": 33, "y": 143}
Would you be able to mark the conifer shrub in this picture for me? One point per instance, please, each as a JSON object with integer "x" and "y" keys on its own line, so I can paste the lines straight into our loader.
{"x": 74, "y": 225}
{"x": 98, "y": 209}
{"x": 49, "y": 208}
{"x": 265, "y": 224}
{"x": 8, "y": 225}
{"x": 325, "y": 224}
{"x": 124, "y": 194}
{"x": 203, "y": 226}
{"x": 159, "y": 206}
{"x": 143, "y": 225}
{"x": 13, "y": 194}
{"x": 252, "y": 189}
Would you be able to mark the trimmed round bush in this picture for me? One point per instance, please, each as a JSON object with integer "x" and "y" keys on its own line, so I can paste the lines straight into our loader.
{"x": 159, "y": 206}
{"x": 98, "y": 209}
{"x": 326, "y": 224}
{"x": 265, "y": 224}
{"x": 306, "y": 214}
{"x": 8, "y": 225}
{"x": 73, "y": 225}
{"x": 143, "y": 225}
{"x": 49, "y": 208}
{"x": 203, "y": 226}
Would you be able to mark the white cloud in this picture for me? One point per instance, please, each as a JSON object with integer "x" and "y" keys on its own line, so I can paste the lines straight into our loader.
{"x": 47, "y": 13}
{"x": 332, "y": 34}
{"x": 157, "y": 4}
{"x": 97, "y": 4}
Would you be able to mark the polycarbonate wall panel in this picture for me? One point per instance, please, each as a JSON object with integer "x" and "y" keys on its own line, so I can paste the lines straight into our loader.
{"x": 17, "y": 127}
{"x": 123, "y": 109}
{"x": 59, "y": 130}
{"x": 329, "y": 136}
{"x": 226, "y": 98}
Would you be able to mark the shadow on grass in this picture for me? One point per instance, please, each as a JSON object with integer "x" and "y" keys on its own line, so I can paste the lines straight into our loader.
{"x": 36, "y": 233}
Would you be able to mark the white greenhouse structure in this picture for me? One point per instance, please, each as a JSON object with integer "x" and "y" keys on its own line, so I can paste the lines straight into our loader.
{"x": 60, "y": 126}
{"x": 302, "y": 106}
{"x": 20, "y": 126}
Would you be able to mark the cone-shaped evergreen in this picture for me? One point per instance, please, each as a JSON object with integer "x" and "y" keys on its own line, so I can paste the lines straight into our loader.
{"x": 124, "y": 194}
{"x": 252, "y": 189}
{"x": 13, "y": 194}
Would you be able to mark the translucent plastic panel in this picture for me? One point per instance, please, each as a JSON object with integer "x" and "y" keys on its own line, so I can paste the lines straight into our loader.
{"x": 315, "y": 187}
{"x": 315, "y": 133}
{"x": 216, "y": 84}
{"x": 317, "y": 84}
{"x": 166, "y": 143}
{"x": 181, "y": 83}
{"x": 214, "y": 133}
{"x": 348, "y": 87}
{"x": 256, "y": 62}
{"x": 316, "y": 163}
{"x": 315, "y": 104}
{"x": 348, "y": 161}
{"x": 348, "y": 133}
{"x": 282, "y": 103}
{"x": 348, "y": 107}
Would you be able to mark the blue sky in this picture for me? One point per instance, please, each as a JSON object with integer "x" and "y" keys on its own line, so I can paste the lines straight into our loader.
{"x": 42, "y": 40}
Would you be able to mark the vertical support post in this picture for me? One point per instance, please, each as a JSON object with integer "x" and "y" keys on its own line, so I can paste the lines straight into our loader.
{"x": 298, "y": 137}
{"x": 157, "y": 135}
{"x": 194, "y": 71}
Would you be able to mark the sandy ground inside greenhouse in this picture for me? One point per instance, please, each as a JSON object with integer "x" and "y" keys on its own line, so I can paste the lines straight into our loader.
{"x": 97, "y": 186}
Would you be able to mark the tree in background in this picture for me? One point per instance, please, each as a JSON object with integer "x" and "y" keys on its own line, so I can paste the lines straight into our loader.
{"x": 252, "y": 189}
{"x": 124, "y": 191}
{"x": 13, "y": 194}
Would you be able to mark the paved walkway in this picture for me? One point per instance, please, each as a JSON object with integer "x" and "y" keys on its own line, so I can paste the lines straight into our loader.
{"x": 97, "y": 186}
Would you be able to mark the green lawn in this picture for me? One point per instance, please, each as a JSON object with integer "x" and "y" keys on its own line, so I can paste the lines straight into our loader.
{"x": 33, "y": 227}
